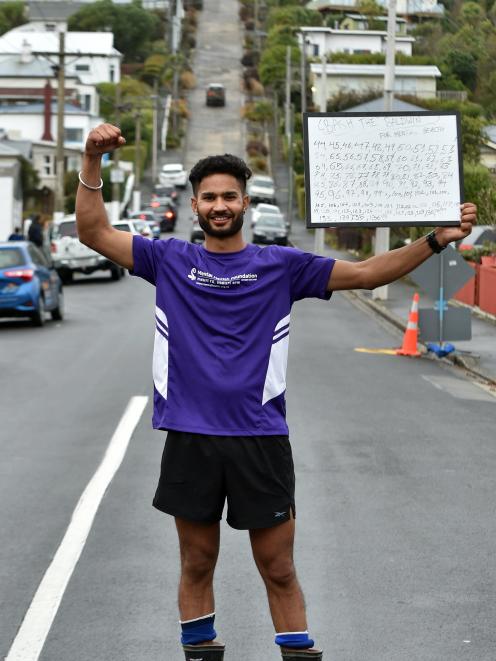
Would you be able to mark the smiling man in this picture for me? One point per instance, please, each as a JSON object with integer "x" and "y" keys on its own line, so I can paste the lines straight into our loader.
{"x": 219, "y": 371}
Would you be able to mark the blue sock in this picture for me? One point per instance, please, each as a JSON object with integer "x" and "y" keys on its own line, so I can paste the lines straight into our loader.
{"x": 297, "y": 640}
{"x": 199, "y": 630}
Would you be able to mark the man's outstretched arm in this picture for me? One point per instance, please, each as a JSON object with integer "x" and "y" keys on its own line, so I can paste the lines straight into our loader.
{"x": 383, "y": 269}
{"x": 94, "y": 229}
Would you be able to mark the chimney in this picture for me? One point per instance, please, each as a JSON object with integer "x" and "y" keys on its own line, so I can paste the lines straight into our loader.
{"x": 26, "y": 53}
{"x": 47, "y": 114}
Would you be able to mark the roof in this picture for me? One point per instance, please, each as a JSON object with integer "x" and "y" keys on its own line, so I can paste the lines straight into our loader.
{"x": 47, "y": 10}
{"x": 490, "y": 132}
{"x": 362, "y": 17}
{"x": 39, "y": 67}
{"x": 377, "y": 105}
{"x": 96, "y": 43}
{"x": 405, "y": 71}
{"x": 7, "y": 150}
{"x": 366, "y": 33}
{"x": 38, "y": 108}
{"x": 24, "y": 147}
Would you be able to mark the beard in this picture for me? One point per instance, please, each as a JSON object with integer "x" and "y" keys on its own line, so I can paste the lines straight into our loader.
{"x": 222, "y": 232}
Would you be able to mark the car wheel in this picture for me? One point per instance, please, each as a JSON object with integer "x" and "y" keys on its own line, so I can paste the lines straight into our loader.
{"x": 115, "y": 273}
{"x": 123, "y": 272}
{"x": 38, "y": 317}
{"x": 58, "y": 313}
{"x": 66, "y": 276}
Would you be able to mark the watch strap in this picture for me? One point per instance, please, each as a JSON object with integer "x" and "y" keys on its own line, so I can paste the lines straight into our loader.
{"x": 434, "y": 244}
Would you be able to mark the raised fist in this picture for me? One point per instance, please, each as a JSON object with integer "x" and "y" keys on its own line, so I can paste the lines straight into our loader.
{"x": 104, "y": 138}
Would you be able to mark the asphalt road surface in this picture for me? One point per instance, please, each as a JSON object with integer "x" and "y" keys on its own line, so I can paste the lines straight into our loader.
{"x": 395, "y": 463}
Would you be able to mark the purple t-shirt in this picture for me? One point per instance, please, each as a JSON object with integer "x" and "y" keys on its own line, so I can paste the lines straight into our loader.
{"x": 222, "y": 332}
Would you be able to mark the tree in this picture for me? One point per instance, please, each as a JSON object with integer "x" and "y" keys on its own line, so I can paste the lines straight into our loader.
{"x": 479, "y": 188}
{"x": 12, "y": 14}
{"x": 295, "y": 16}
{"x": 272, "y": 68}
{"x": 134, "y": 28}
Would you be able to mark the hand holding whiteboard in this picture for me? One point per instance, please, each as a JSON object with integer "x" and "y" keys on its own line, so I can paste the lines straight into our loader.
{"x": 383, "y": 169}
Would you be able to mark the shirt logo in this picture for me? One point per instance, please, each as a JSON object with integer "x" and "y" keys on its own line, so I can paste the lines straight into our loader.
{"x": 278, "y": 515}
{"x": 192, "y": 275}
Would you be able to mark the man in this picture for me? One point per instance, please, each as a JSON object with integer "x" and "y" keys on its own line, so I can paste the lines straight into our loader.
{"x": 16, "y": 235}
{"x": 35, "y": 232}
{"x": 219, "y": 370}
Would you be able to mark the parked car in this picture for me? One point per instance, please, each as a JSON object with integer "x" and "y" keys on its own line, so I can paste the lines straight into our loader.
{"x": 261, "y": 189}
{"x": 29, "y": 284}
{"x": 165, "y": 212}
{"x": 135, "y": 226}
{"x": 271, "y": 229}
{"x": 148, "y": 217}
{"x": 163, "y": 190}
{"x": 216, "y": 95}
{"x": 263, "y": 209}
{"x": 197, "y": 234}
{"x": 479, "y": 235}
{"x": 173, "y": 174}
{"x": 71, "y": 256}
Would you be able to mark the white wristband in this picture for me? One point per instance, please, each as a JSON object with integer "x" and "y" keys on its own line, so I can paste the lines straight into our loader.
{"x": 99, "y": 187}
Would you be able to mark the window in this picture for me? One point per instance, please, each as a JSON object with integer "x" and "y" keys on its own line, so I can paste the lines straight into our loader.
{"x": 82, "y": 67}
{"x": 85, "y": 101}
{"x": 48, "y": 165}
{"x": 11, "y": 257}
{"x": 50, "y": 27}
{"x": 112, "y": 73}
{"x": 73, "y": 135}
{"x": 315, "y": 50}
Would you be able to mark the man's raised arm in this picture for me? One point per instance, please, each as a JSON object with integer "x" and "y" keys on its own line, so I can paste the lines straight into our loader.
{"x": 94, "y": 229}
{"x": 383, "y": 269}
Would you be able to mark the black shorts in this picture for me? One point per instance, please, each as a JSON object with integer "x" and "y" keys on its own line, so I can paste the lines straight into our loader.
{"x": 254, "y": 473}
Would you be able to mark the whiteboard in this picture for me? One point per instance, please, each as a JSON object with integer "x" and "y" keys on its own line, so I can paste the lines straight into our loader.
{"x": 382, "y": 169}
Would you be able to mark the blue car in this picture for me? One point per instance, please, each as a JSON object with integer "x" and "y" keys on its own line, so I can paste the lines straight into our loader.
{"x": 29, "y": 285}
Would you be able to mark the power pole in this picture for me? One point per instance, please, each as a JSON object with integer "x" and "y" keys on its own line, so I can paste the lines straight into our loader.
{"x": 59, "y": 155}
{"x": 303, "y": 74}
{"x": 382, "y": 234}
{"x": 175, "y": 43}
{"x": 319, "y": 236}
{"x": 116, "y": 189}
{"x": 137, "y": 165}
{"x": 288, "y": 91}
{"x": 290, "y": 167}
{"x": 155, "y": 131}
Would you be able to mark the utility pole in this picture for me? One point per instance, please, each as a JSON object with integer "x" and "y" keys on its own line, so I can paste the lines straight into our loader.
{"x": 155, "y": 131}
{"x": 137, "y": 165}
{"x": 288, "y": 91}
{"x": 382, "y": 234}
{"x": 175, "y": 42}
{"x": 319, "y": 236}
{"x": 116, "y": 189}
{"x": 59, "y": 155}
{"x": 290, "y": 167}
{"x": 303, "y": 73}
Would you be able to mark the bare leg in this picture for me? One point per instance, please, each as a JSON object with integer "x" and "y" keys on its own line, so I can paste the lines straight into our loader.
{"x": 273, "y": 553}
{"x": 199, "y": 548}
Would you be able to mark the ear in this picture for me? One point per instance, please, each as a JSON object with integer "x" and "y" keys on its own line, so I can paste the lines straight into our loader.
{"x": 246, "y": 202}
{"x": 194, "y": 205}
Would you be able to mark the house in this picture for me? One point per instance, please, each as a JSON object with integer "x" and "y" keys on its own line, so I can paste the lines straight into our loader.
{"x": 10, "y": 190}
{"x": 362, "y": 22}
{"x": 321, "y": 41}
{"x": 51, "y": 15}
{"x": 412, "y": 10}
{"x": 417, "y": 81}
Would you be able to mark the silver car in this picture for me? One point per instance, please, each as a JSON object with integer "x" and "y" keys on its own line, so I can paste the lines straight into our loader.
{"x": 271, "y": 228}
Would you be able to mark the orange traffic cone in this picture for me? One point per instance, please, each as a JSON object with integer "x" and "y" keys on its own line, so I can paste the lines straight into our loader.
{"x": 409, "y": 347}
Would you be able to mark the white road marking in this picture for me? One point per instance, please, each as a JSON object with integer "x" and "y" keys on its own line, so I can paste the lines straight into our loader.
{"x": 460, "y": 388}
{"x": 39, "y": 617}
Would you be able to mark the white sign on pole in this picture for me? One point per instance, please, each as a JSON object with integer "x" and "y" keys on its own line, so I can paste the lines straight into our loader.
{"x": 383, "y": 169}
{"x": 116, "y": 176}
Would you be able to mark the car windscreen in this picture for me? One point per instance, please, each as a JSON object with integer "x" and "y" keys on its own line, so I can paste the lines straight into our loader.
{"x": 122, "y": 226}
{"x": 262, "y": 183}
{"x": 271, "y": 221}
{"x": 11, "y": 257}
{"x": 65, "y": 229}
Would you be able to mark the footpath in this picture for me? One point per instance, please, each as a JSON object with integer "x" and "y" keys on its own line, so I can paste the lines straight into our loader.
{"x": 477, "y": 356}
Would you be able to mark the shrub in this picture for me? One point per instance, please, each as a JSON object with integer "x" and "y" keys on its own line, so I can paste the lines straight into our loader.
{"x": 258, "y": 164}
{"x": 188, "y": 80}
{"x": 250, "y": 58}
{"x": 301, "y": 201}
{"x": 256, "y": 148}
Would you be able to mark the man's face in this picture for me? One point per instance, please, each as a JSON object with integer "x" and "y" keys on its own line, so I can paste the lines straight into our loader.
{"x": 220, "y": 205}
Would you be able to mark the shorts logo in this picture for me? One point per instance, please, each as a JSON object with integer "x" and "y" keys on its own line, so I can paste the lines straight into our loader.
{"x": 192, "y": 275}
{"x": 278, "y": 515}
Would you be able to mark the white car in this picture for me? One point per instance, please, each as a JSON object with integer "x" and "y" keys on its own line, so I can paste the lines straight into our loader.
{"x": 173, "y": 173}
{"x": 263, "y": 208}
{"x": 70, "y": 256}
{"x": 262, "y": 189}
{"x": 135, "y": 226}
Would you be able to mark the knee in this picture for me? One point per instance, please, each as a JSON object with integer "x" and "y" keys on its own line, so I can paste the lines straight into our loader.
{"x": 278, "y": 573}
{"x": 198, "y": 564}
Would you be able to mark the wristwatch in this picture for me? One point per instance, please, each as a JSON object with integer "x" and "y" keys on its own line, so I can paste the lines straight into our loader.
{"x": 434, "y": 244}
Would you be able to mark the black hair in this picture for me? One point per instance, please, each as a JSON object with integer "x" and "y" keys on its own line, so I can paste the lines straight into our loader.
{"x": 220, "y": 164}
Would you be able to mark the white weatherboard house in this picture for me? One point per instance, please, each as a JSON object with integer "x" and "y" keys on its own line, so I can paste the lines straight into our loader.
{"x": 321, "y": 41}
{"x": 418, "y": 81}
{"x": 10, "y": 190}
{"x": 416, "y": 8}
{"x": 488, "y": 149}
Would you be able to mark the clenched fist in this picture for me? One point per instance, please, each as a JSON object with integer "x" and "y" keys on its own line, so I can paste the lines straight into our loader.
{"x": 102, "y": 139}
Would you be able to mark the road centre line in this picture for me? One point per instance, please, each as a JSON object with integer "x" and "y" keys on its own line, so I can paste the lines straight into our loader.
{"x": 32, "y": 634}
